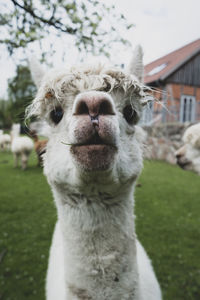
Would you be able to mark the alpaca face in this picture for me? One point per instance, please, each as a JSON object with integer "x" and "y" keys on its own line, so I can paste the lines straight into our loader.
{"x": 93, "y": 114}
{"x": 188, "y": 156}
{"x": 94, "y": 130}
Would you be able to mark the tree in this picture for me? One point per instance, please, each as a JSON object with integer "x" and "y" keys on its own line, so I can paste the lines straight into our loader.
{"x": 21, "y": 91}
{"x": 4, "y": 117}
{"x": 93, "y": 25}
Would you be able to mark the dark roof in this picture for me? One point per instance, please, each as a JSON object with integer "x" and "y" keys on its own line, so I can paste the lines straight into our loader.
{"x": 161, "y": 68}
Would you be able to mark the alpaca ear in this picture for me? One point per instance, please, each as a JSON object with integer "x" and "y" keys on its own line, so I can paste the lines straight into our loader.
{"x": 37, "y": 72}
{"x": 136, "y": 66}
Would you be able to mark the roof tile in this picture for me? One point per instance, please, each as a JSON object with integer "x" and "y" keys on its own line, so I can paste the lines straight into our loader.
{"x": 172, "y": 60}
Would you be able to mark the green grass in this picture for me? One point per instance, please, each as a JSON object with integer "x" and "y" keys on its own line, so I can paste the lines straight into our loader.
{"x": 168, "y": 225}
{"x": 27, "y": 217}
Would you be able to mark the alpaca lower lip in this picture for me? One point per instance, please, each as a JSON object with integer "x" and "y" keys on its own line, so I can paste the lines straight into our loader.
{"x": 94, "y": 156}
{"x": 95, "y": 145}
{"x": 95, "y": 140}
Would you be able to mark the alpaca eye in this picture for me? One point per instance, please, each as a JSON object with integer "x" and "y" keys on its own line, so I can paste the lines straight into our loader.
{"x": 56, "y": 115}
{"x": 107, "y": 88}
{"x": 130, "y": 115}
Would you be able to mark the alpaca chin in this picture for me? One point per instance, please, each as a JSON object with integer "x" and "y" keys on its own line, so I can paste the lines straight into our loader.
{"x": 94, "y": 157}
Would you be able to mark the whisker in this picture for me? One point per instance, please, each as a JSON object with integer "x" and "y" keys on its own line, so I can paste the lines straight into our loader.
{"x": 66, "y": 144}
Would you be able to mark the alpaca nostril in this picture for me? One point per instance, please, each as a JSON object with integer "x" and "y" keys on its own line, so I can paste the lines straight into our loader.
{"x": 82, "y": 108}
{"x": 94, "y": 106}
{"x": 106, "y": 108}
{"x": 178, "y": 156}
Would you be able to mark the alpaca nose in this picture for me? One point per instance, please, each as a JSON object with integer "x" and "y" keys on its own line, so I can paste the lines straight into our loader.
{"x": 94, "y": 105}
{"x": 178, "y": 156}
{"x": 180, "y": 153}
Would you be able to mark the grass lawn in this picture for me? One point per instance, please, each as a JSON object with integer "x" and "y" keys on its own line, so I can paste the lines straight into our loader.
{"x": 168, "y": 225}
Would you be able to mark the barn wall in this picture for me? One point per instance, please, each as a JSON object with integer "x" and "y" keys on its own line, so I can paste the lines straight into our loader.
{"x": 170, "y": 95}
{"x": 188, "y": 74}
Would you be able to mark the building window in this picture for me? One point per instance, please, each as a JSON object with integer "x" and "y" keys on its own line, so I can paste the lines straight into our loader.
{"x": 187, "y": 108}
{"x": 157, "y": 69}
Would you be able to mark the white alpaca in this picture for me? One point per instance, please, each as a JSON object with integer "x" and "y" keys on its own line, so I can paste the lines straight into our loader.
{"x": 5, "y": 141}
{"x": 21, "y": 146}
{"x": 188, "y": 156}
{"x": 93, "y": 158}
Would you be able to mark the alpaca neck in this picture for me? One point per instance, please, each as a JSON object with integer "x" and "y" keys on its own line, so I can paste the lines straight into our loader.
{"x": 99, "y": 244}
{"x": 14, "y": 135}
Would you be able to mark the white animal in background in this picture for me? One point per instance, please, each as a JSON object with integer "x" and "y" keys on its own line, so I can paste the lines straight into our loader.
{"x": 5, "y": 141}
{"x": 21, "y": 147}
{"x": 92, "y": 161}
{"x": 188, "y": 156}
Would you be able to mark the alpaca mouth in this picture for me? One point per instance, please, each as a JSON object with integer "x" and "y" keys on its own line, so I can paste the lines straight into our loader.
{"x": 94, "y": 154}
{"x": 95, "y": 141}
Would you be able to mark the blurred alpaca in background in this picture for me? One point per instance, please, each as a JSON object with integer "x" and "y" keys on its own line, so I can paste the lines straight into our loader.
{"x": 21, "y": 147}
{"x": 5, "y": 141}
{"x": 39, "y": 146}
{"x": 188, "y": 156}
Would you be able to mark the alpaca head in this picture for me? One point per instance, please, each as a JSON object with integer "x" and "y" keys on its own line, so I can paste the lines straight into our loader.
{"x": 92, "y": 112}
{"x": 188, "y": 156}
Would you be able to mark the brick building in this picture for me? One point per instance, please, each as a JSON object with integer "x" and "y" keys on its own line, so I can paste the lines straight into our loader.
{"x": 177, "y": 76}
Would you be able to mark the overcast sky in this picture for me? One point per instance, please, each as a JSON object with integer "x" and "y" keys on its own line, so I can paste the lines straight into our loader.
{"x": 160, "y": 27}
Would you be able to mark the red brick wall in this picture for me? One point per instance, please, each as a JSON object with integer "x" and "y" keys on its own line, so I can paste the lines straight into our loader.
{"x": 198, "y": 93}
{"x": 174, "y": 92}
{"x": 188, "y": 90}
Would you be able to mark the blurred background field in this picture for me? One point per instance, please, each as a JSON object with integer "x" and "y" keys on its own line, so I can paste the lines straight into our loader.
{"x": 167, "y": 223}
